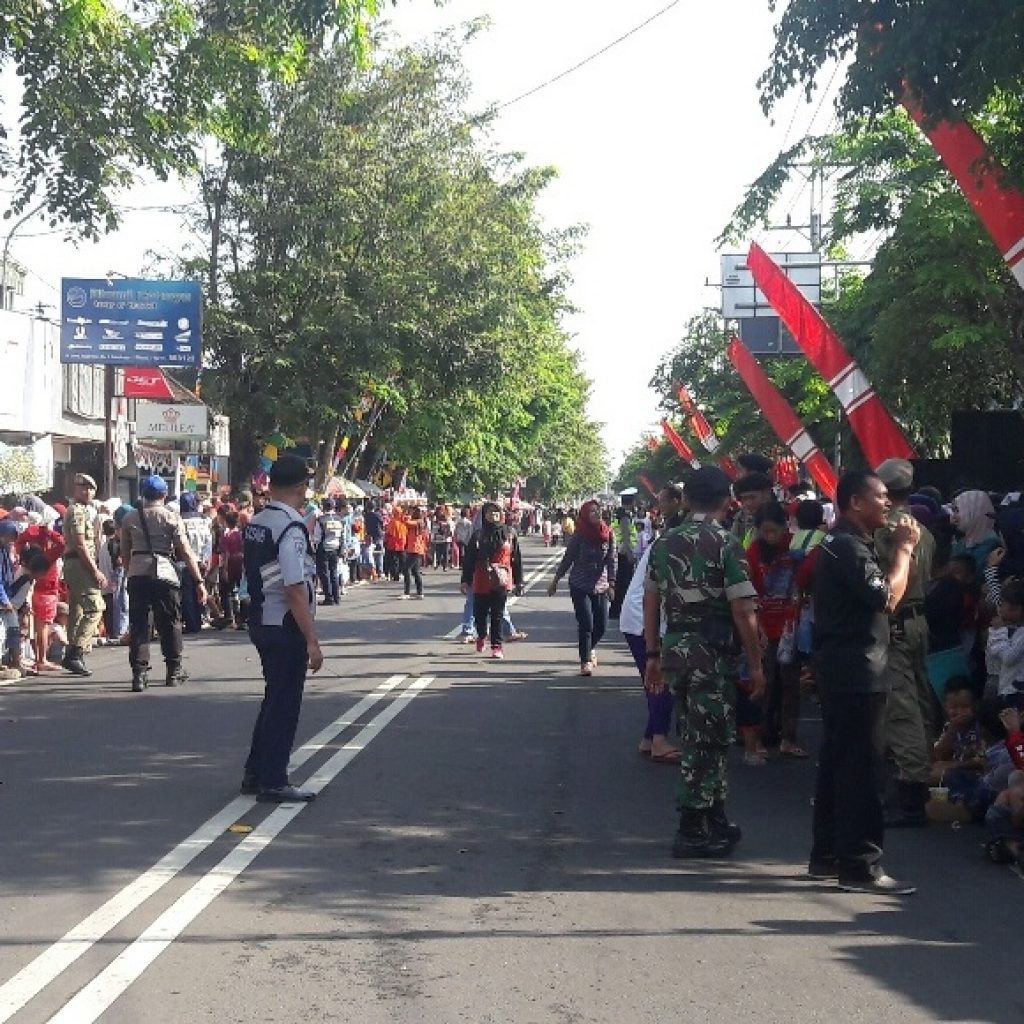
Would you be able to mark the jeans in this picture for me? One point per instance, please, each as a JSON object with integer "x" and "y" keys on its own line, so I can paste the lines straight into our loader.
{"x": 848, "y": 823}
{"x": 442, "y": 549}
{"x": 164, "y": 601}
{"x": 592, "y": 619}
{"x": 488, "y": 611}
{"x": 284, "y": 660}
{"x": 469, "y": 621}
{"x": 659, "y": 705}
{"x": 411, "y": 571}
{"x": 327, "y": 569}
{"x": 191, "y": 609}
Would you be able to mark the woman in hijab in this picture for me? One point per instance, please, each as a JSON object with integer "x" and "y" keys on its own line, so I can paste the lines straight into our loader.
{"x": 589, "y": 560}
{"x": 491, "y": 568}
{"x": 975, "y": 520}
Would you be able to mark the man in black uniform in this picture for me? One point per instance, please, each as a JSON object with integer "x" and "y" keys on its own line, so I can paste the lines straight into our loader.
{"x": 852, "y": 601}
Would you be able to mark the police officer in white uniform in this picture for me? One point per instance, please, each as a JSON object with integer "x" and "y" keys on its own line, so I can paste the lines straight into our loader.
{"x": 280, "y": 570}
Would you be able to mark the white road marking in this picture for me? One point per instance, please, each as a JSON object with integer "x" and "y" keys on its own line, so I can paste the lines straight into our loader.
{"x": 52, "y": 962}
{"x": 129, "y": 965}
{"x": 528, "y": 584}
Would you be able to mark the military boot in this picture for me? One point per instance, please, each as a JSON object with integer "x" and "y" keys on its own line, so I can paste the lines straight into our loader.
{"x": 140, "y": 679}
{"x": 695, "y": 838}
{"x": 176, "y": 676}
{"x": 74, "y": 663}
{"x": 720, "y": 825}
{"x": 909, "y": 810}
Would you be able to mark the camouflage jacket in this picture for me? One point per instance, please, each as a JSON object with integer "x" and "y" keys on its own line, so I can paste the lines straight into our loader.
{"x": 697, "y": 569}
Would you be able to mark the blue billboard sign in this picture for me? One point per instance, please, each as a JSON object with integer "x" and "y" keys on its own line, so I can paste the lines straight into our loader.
{"x": 131, "y": 322}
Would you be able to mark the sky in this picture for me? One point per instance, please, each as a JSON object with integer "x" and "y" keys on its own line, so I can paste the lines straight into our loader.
{"x": 654, "y": 143}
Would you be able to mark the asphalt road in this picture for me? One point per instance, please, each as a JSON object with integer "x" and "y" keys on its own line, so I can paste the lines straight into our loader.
{"x": 487, "y": 847}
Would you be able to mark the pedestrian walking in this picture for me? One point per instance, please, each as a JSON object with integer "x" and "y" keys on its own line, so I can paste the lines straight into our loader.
{"x": 416, "y": 541}
{"x": 590, "y": 562}
{"x": 330, "y": 528}
{"x": 280, "y": 570}
{"x": 153, "y": 541}
{"x": 84, "y": 580}
{"x": 492, "y": 568}
{"x": 697, "y": 577}
{"x": 853, "y": 599}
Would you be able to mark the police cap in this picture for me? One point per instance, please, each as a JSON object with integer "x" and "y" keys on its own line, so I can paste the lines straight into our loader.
{"x": 288, "y": 471}
{"x": 84, "y": 480}
{"x": 897, "y": 474}
{"x": 707, "y": 485}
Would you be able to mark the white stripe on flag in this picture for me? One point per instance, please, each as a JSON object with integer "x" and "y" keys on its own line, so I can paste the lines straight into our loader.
{"x": 851, "y": 387}
{"x": 802, "y": 445}
{"x": 1014, "y": 251}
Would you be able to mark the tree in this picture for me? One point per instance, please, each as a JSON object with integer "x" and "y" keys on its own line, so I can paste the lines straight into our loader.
{"x": 107, "y": 91}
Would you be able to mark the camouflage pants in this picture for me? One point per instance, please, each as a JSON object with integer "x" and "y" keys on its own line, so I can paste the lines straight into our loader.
{"x": 703, "y": 683}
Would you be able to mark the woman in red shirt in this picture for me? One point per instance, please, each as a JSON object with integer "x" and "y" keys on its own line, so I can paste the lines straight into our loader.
{"x": 492, "y": 567}
{"x": 779, "y": 580}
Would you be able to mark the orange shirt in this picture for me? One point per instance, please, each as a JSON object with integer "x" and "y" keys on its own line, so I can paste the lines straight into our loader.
{"x": 394, "y": 536}
{"x": 416, "y": 538}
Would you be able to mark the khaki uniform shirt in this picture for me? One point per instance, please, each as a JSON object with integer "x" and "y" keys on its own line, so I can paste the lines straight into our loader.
{"x": 80, "y": 521}
{"x": 165, "y": 527}
{"x": 921, "y": 560}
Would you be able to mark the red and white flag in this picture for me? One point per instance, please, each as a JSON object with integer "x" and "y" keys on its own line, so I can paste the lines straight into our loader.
{"x": 684, "y": 450}
{"x": 145, "y": 382}
{"x": 783, "y": 420}
{"x": 999, "y": 205}
{"x": 878, "y": 433}
{"x": 646, "y": 481}
{"x": 704, "y": 431}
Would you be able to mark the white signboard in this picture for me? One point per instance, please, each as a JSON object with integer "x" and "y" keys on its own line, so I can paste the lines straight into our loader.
{"x": 170, "y": 422}
{"x": 741, "y": 298}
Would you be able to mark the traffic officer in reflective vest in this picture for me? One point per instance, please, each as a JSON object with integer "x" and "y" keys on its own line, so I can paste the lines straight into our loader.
{"x": 280, "y": 571}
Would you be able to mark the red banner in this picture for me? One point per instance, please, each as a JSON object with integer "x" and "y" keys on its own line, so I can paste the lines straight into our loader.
{"x": 879, "y": 434}
{"x": 999, "y": 206}
{"x": 783, "y": 420}
{"x": 704, "y": 431}
{"x": 684, "y": 450}
{"x": 145, "y": 382}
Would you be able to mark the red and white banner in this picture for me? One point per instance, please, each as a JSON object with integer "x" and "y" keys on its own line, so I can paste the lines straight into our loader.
{"x": 146, "y": 382}
{"x": 783, "y": 420}
{"x": 878, "y": 433}
{"x": 646, "y": 481}
{"x": 704, "y": 431}
{"x": 999, "y": 206}
{"x": 684, "y": 450}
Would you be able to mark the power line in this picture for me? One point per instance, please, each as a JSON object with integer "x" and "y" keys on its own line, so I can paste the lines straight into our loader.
{"x": 586, "y": 60}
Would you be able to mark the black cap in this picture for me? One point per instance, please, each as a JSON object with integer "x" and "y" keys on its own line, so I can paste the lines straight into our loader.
{"x": 706, "y": 485}
{"x": 288, "y": 471}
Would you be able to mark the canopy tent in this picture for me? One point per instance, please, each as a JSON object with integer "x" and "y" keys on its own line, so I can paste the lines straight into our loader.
{"x": 339, "y": 486}
{"x": 370, "y": 488}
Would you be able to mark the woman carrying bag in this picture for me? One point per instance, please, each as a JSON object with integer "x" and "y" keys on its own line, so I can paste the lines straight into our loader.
{"x": 590, "y": 555}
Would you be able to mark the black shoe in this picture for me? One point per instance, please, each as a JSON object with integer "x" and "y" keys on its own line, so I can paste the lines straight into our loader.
{"x": 823, "y": 869}
{"x": 140, "y": 680}
{"x": 249, "y": 787}
{"x": 909, "y": 811}
{"x": 695, "y": 839}
{"x": 286, "y": 795}
{"x": 176, "y": 677}
{"x": 877, "y": 882}
{"x": 720, "y": 826}
{"x": 73, "y": 662}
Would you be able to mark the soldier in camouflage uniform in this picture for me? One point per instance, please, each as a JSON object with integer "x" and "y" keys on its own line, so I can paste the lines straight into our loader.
{"x": 697, "y": 576}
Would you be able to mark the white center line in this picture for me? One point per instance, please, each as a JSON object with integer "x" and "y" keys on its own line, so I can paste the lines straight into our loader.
{"x": 129, "y": 965}
{"x": 56, "y": 959}
{"x": 528, "y": 584}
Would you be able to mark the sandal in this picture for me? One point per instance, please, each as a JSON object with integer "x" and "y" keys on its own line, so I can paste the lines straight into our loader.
{"x": 669, "y": 757}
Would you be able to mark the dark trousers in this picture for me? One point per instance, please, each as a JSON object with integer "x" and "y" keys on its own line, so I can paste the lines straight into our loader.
{"x": 191, "y": 611}
{"x": 147, "y": 595}
{"x": 411, "y": 571}
{"x": 782, "y": 698}
{"x": 327, "y": 569}
{"x": 488, "y": 611}
{"x": 393, "y": 565}
{"x": 848, "y": 820}
{"x": 283, "y": 657}
{"x": 591, "y": 618}
{"x": 659, "y": 705}
{"x": 441, "y": 552}
{"x": 623, "y": 576}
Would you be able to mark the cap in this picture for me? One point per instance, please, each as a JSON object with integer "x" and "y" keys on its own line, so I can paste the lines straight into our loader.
{"x": 288, "y": 471}
{"x": 84, "y": 480}
{"x": 707, "y": 484}
{"x": 897, "y": 474}
{"x": 153, "y": 486}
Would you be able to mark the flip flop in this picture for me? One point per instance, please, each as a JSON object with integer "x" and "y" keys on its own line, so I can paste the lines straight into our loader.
{"x": 670, "y": 757}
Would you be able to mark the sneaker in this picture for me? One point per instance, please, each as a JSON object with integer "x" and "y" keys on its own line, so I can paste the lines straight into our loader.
{"x": 497, "y": 653}
{"x": 419, "y": 597}
{"x": 8, "y": 675}
{"x": 586, "y": 669}
{"x": 480, "y": 641}
{"x": 877, "y": 882}
{"x": 517, "y": 635}
{"x": 824, "y": 869}
{"x": 286, "y": 795}
{"x": 403, "y": 597}
{"x": 468, "y": 638}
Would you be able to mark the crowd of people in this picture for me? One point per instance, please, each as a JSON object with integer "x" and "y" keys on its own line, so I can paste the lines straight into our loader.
{"x": 896, "y": 610}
